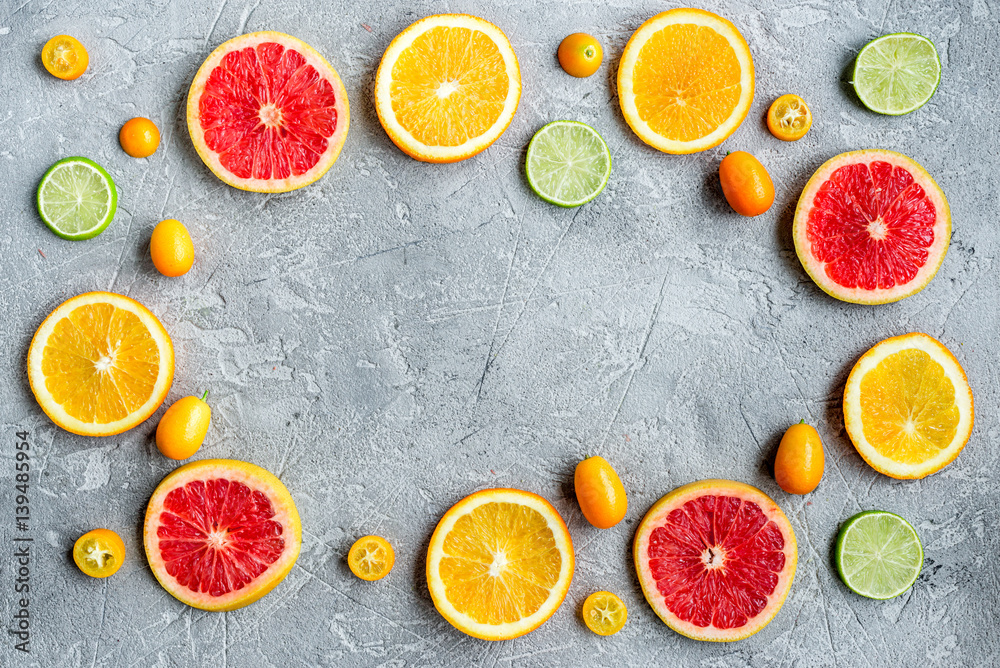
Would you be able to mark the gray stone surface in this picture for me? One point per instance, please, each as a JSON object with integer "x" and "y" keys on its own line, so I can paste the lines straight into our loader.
{"x": 399, "y": 335}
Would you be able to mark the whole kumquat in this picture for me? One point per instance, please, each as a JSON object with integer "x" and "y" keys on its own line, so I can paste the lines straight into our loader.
{"x": 600, "y": 492}
{"x": 746, "y": 184}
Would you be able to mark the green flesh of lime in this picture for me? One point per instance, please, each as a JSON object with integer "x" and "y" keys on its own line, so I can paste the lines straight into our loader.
{"x": 897, "y": 74}
{"x": 878, "y": 554}
{"x": 77, "y": 198}
{"x": 568, "y": 163}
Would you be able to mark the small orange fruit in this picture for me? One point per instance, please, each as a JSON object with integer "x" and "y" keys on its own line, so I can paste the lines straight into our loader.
{"x": 580, "y": 54}
{"x": 64, "y": 57}
{"x": 139, "y": 137}
{"x": 99, "y": 553}
{"x": 798, "y": 466}
{"x": 600, "y": 492}
{"x": 746, "y": 184}
{"x": 171, "y": 248}
{"x": 604, "y": 613}
{"x": 371, "y": 558}
{"x": 789, "y": 118}
{"x": 183, "y": 427}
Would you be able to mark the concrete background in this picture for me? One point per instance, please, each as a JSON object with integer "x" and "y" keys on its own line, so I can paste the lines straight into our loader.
{"x": 399, "y": 335}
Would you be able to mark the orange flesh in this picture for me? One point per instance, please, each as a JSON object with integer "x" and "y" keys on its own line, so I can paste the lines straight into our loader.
{"x": 872, "y": 226}
{"x": 100, "y": 363}
{"x": 686, "y": 82}
{"x": 267, "y": 112}
{"x": 501, "y": 563}
{"x": 908, "y": 407}
{"x": 449, "y": 86}
{"x": 716, "y": 560}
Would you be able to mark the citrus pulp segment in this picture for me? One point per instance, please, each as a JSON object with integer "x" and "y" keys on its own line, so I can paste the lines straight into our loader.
{"x": 871, "y": 227}
{"x": 267, "y": 113}
{"x": 76, "y": 198}
{"x": 447, "y": 87}
{"x": 878, "y": 554}
{"x": 908, "y": 407}
{"x": 221, "y": 533}
{"x": 100, "y": 364}
{"x": 896, "y": 74}
{"x": 685, "y": 80}
{"x": 567, "y": 163}
{"x": 715, "y": 559}
{"x": 499, "y": 563}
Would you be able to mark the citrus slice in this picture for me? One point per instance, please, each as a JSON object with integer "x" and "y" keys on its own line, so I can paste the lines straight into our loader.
{"x": 789, "y": 118}
{"x": 267, "y": 113}
{"x": 908, "y": 406}
{"x": 100, "y": 364}
{"x": 447, "y": 87}
{"x": 685, "y": 81}
{"x": 371, "y": 558}
{"x": 871, "y": 227}
{"x": 77, "y": 199}
{"x": 567, "y": 163}
{"x": 220, "y": 533}
{"x": 64, "y": 57}
{"x": 878, "y": 554}
{"x": 715, "y": 559}
{"x": 896, "y": 74}
{"x": 499, "y": 563}
{"x": 99, "y": 553}
{"x": 604, "y": 613}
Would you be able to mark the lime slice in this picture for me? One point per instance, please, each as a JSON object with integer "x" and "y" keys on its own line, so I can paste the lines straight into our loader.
{"x": 878, "y": 554}
{"x": 896, "y": 74}
{"x": 568, "y": 163}
{"x": 77, "y": 198}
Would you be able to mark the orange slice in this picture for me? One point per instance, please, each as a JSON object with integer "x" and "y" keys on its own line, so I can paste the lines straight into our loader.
{"x": 447, "y": 87}
{"x": 685, "y": 81}
{"x": 100, "y": 364}
{"x": 499, "y": 563}
{"x": 908, "y": 406}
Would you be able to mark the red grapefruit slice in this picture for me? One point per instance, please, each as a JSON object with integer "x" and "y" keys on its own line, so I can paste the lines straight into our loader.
{"x": 715, "y": 559}
{"x": 267, "y": 113}
{"x": 871, "y": 227}
{"x": 221, "y": 533}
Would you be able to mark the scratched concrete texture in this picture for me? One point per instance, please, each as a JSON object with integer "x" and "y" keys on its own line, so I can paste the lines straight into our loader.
{"x": 399, "y": 335}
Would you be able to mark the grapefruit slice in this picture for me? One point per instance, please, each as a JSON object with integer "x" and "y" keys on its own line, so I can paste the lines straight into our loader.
{"x": 871, "y": 227}
{"x": 267, "y": 113}
{"x": 715, "y": 559}
{"x": 221, "y": 533}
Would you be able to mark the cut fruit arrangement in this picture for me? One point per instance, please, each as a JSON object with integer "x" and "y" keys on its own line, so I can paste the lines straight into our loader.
{"x": 267, "y": 113}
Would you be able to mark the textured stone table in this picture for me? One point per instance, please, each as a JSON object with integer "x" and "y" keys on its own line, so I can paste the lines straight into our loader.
{"x": 398, "y": 335}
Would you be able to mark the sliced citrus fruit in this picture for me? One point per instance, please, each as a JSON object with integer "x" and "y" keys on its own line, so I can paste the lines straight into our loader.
{"x": 604, "y": 613}
{"x": 871, "y": 227}
{"x": 499, "y": 563}
{"x": 99, "y": 553}
{"x": 567, "y": 163}
{"x": 447, "y": 87}
{"x": 220, "y": 533}
{"x": 896, "y": 74}
{"x": 715, "y": 559}
{"x": 267, "y": 113}
{"x": 685, "y": 81}
{"x": 64, "y": 57}
{"x": 908, "y": 406}
{"x": 100, "y": 363}
{"x": 789, "y": 118}
{"x": 77, "y": 199}
{"x": 878, "y": 554}
{"x": 371, "y": 558}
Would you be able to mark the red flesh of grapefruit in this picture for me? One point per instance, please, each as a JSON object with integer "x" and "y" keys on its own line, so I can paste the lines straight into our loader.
{"x": 267, "y": 113}
{"x": 220, "y": 533}
{"x": 715, "y": 559}
{"x": 872, "y": 227}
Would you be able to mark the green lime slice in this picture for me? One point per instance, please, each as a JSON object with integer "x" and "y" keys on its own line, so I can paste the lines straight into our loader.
{"x": 77, "y": 199}
{"x": 896, "y": 74}
{"x": 568, "y": 163}
{"x": 878, "y": 554}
